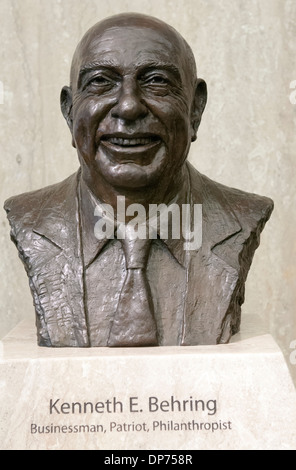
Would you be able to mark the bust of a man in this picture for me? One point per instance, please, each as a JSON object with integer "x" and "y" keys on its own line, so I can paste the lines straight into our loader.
{"x": 137, "y": 248}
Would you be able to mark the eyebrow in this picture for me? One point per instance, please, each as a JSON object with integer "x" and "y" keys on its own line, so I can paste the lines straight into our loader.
{"x": 92, "y": 66}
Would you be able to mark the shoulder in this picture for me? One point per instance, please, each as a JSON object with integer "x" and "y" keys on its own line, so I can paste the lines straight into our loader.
{"x": 249, "y": 208}
{"x": 32, "y": 202}
{"x": 24, "y": 209}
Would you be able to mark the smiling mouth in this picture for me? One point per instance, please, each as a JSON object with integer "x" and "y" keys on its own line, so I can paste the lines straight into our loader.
{"x": 138, "y": 149}
{"x": 130, "y": 142}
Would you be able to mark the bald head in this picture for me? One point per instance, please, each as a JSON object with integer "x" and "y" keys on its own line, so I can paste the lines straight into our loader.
{"x": 134, "y": 104}
{"x": 122, "y": 22}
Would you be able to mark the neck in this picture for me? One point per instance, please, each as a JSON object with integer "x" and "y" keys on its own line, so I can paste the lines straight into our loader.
{"x": 162, "y": 192}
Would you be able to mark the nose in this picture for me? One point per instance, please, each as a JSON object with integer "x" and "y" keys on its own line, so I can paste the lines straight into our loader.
{"x": 129, "y": 106}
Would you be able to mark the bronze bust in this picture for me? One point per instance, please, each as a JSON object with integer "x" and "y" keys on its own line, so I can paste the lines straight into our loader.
{"x": 133, "y": 107}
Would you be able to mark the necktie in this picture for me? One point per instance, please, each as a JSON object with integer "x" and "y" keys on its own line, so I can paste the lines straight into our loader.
{"x": 134, "y": 323}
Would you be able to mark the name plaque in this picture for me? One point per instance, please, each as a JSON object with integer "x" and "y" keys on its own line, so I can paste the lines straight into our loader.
{"x": 235, "y": 396}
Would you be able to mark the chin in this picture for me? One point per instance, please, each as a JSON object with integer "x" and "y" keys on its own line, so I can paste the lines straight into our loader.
{"x": 130, "y": 174}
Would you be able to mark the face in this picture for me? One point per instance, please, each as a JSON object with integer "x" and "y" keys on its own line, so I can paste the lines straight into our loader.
{"x": 131, "y": 116}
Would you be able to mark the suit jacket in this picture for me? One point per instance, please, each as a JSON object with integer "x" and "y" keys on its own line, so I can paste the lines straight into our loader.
{"x": 45, "y": 229}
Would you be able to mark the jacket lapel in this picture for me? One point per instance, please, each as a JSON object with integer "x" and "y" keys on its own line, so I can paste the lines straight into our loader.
{"x": 211, "y": 280}
{"x": 59, "y": 280}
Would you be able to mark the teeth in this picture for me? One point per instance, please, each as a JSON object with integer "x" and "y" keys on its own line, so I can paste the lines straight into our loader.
{"x": 130, "y": 142}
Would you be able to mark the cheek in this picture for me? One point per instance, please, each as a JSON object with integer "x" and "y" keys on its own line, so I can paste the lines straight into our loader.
{"x": 178, "y": 133}
{"x": 86, "y": 118}
{"x": 174, "y": 115}
{"x": 176, "y": 119}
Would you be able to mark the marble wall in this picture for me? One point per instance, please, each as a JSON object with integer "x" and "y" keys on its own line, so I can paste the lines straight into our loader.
{"x": 245, "y": 50}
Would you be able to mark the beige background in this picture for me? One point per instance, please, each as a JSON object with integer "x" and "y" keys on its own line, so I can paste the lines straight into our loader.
{"x": 245, "y": 50}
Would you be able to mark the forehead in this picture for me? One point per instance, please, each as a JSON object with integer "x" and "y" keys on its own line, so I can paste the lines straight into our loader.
{"x": 131, "y": 46}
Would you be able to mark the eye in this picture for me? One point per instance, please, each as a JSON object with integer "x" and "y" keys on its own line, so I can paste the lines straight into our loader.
{"x": 156, "y": 79}
{"x": 100, "y": 80}
{"x": 156, "y": 83}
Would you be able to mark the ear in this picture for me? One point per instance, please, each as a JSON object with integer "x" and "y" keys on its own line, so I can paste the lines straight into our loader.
{"x": 198, "y": 106}
{"x": 66, "y": 105}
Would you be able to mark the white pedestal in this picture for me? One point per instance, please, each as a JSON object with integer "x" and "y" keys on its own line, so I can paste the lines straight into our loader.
{"x": 235, "y": 396}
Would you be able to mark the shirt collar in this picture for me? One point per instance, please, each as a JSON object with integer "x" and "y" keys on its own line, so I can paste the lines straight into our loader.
{"x": 92, "y": 246}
